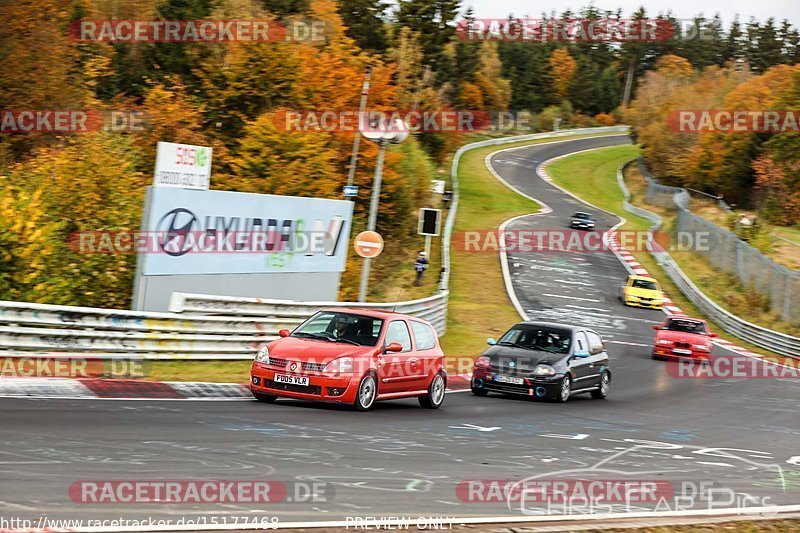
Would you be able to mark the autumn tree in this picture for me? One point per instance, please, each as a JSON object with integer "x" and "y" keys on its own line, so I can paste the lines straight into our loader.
{"x": 563, "y": 66}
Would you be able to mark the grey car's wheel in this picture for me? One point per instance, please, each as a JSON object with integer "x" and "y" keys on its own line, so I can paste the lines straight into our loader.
{"x": 479, "y": 391}
{"x": 266, "y": 398}
{"x": 605, "y": 387}
{"x": 564, "y": 390}
{"x": 367, "y": 392}
{"x": 435, "y": 396}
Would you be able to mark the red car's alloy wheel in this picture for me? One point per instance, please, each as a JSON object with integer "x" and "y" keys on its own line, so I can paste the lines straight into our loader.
{"x": 367, "y": 391}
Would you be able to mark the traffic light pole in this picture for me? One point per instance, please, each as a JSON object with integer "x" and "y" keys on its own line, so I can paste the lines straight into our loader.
{"x": 373, "y": 218}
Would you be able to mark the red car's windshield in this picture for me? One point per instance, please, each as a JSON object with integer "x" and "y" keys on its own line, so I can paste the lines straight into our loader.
{"x": 355, "y": 329}
{"x": 686, "y": 326}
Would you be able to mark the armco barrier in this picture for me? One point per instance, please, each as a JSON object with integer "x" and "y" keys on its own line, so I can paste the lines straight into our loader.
{"x": 432, "y": 308}
{"x": 773, "y": 341}
{"x": 203, "y": 326}
{"x": 729, "y": 254}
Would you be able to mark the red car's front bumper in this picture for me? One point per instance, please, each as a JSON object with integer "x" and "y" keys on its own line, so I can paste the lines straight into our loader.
{"x": 341, "y": 388}
{"x": 669, "y": 352}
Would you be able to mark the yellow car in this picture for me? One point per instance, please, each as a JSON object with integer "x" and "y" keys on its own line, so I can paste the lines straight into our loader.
{"x": 641, "y": 291}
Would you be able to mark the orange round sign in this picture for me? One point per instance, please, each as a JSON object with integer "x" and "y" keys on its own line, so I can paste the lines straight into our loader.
{"x": 368, "y": 244}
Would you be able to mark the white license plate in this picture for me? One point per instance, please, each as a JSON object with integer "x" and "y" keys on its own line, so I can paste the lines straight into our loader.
{"x": 681, "y": 351}
{"x": 292, "y": 380}
{"x": 509, "y": 379}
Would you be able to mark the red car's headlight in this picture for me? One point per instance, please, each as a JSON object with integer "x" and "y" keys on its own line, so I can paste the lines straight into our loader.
{"x": 663, "y": 341}
{"x": 702, "y": 347}
{"x": 342, "y": 365}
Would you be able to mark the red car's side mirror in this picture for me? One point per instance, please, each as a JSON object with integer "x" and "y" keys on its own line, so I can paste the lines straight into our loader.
{"x": 713, "y": 335}
{"x": 656, "y": 328}
{"x": 284, "y": 333}
{"x": 394, "y": 347}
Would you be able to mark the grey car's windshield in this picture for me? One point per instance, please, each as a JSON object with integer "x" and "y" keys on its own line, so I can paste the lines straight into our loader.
{"x": 341, "y": 327}
{"x": 538, "y": 338}
{"x": 583, "y": 216}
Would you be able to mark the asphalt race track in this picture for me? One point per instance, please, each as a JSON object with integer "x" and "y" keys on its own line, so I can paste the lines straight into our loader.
{"x": 742, "y": 436}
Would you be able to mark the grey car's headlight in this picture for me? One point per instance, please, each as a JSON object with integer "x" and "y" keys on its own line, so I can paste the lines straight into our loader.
{"x": 544, "y": 370}
{"x": 263, "y": 355}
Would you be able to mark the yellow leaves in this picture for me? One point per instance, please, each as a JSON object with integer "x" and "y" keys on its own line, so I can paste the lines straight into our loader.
{"x": 674, "y": 67}
{"x": 496, "y": 90}
{"x": 563, "y": 65}
{"x": 604, "y": 119}
{"x": 471, "y": 95}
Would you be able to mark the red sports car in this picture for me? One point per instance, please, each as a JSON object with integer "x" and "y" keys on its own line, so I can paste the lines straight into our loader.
{"x": 682, "y": 337}
{"x": 353, "y": 356}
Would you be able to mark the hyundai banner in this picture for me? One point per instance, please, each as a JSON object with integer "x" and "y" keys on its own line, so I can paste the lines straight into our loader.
{"x": 219, "y": 232}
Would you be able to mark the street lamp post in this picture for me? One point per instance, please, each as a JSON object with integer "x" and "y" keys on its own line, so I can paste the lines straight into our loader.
{"x": 373, "y": 217}
{"x": 383, "y": 133}
{"x": 361, "y": 108}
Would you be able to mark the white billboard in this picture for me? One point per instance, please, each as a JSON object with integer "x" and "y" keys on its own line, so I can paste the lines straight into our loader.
{"x": 182, "y": 165}
{"x": 219, "y": 232}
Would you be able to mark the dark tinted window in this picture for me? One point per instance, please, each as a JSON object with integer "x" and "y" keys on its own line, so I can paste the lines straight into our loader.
{"x": 686, "y": 326}
{"x": 644, "y": 284}
{"x": 326, "y": 325}
{"x": 538, "y": 338}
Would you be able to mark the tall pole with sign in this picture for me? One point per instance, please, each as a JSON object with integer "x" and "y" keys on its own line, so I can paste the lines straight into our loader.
{"x": 383, "y": 133}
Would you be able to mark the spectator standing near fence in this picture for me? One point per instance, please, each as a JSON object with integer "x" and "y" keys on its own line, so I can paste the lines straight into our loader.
{"x": 420, "y": 265}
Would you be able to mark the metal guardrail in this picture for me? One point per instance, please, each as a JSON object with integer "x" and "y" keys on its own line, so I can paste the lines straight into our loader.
{"x": 205, "y": 326}
{"x": 27, "y": 328}
{"x": 729, "y": 254}
{"x": 773, "y": 341}
{"x": 433, "y": 308}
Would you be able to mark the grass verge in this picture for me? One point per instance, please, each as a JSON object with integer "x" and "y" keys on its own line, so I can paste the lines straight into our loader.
{"x": 596, "y": 171}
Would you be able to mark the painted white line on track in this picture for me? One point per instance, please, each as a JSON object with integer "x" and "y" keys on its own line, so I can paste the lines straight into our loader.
{"x": 599, "y": 310}
{"x": 571, "y": 297}
{"x": 631, "y": 343}
{"x": 572, "y": 282}
{"x": 218, "y": 399}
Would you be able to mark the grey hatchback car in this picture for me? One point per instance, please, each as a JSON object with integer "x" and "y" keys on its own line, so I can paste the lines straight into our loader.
{"x": 544, "y": 360}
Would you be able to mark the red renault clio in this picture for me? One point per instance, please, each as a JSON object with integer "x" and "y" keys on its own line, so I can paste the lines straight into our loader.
{"x": 353, "y": 356}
